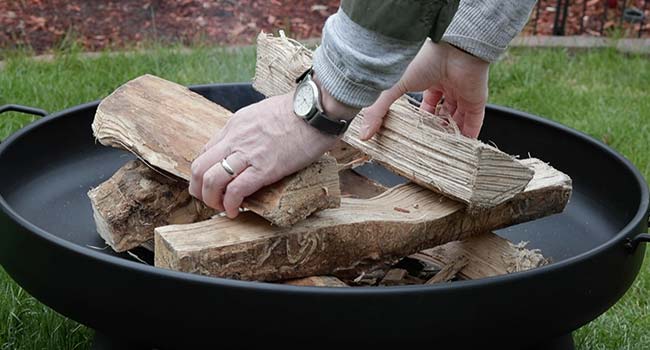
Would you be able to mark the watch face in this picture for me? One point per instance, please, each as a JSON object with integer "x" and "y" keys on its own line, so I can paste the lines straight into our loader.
{"x": 304, "y": 100}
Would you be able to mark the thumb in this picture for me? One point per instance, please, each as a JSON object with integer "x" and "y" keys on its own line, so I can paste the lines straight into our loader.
{"x": 373, "y": 116}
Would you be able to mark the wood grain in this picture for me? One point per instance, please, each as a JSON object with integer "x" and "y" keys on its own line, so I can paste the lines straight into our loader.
{"x": 362, "y": 232}
{"x": 167, "y": 125}
{"x": 449, "y": 270}
{"x": 487, "y": 255}
{"x": 422, "y": 147}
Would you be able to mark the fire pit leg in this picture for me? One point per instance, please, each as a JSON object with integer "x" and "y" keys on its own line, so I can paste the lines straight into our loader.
{"x": 104, "y": 342}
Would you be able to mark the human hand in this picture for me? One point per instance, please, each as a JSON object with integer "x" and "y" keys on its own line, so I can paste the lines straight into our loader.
{"x": 263, "y": 143}
{"x": 439, "y": 70}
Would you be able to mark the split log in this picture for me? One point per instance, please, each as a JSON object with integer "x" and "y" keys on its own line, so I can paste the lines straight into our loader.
{"x": 399, "y": 222}
{"x": 394, "y": 277}
{"x": 167, "y": 125}
{"x": 449, "y": 271}
{"x": 135, "y": 200}
{"x": 358, "y": 186}
{"x": 486, "y": 255}
{"x": 317, "y": 281}
{"x": 347, "y": 156}
{"x": 413, "y": 143}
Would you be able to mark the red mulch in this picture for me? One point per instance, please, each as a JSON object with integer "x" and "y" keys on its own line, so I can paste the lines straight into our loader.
{"x": 93, "y": 24}
{"x": 600, "y": 17}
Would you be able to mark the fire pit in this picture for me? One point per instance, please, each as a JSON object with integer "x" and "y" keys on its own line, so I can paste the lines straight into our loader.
{"x": 47, "y": 235}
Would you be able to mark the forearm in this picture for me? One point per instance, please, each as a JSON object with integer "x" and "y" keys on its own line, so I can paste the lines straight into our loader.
{"x": 485, "y": 28}
{"x": 367, "y": 45}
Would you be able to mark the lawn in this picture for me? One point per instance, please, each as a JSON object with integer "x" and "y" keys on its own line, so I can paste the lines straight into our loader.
{"x": 602, "y": 93}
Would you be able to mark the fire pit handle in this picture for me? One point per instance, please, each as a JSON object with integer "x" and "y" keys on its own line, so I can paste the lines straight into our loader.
{"x": 23, "y": 109}
{"x": 631, "y": 244}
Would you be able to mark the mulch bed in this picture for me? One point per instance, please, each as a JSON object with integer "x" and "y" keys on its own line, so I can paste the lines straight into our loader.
{"x": 43, "y": 25}
{"x": 46, "y": 24}
{"x": 588, "y": 17}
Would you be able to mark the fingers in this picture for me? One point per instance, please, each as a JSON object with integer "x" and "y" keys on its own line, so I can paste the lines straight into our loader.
{"x": 469, "y": 118}
{"x": 204, "y": 162}
{"x": 430, "y": 99}
{"x": 214, "y": 140}
{"x": 373, "y": 116}
{"x": 239, "y": 188}
{"x": 217, "y": 178}
{"x": 449, "y": 106}
{"x": 472, "y": 123}
{"x": 459, "y": 119}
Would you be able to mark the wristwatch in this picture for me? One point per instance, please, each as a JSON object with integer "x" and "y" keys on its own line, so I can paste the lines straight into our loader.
{"x": 307, "y": 105}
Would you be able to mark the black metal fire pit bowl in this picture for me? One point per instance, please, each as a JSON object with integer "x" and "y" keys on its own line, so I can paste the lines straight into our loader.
{"x": 47, "y": 227}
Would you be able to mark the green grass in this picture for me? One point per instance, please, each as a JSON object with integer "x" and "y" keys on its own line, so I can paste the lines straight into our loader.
{"x": 607, "y": 95}
{"x": 603, "y": 93}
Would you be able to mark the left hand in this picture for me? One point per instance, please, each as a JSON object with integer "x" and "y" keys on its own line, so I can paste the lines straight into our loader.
{"x": 439, "y": 70}
{"x": 263, "y": 143}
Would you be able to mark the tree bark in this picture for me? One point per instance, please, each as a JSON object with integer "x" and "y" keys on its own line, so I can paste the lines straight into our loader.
{"x": 135, "y": 200}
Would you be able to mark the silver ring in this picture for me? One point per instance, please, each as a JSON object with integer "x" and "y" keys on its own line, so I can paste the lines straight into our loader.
{"x": 227, "y": 167}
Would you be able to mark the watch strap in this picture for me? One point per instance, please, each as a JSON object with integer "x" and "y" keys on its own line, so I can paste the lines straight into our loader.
{"x": 309, "y": 71}
{"x": 328, "y": 126}
{"x": 318, "y": 119}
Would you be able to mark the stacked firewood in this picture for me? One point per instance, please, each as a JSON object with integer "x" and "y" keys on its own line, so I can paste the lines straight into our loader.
{"x": 325, "y": 225}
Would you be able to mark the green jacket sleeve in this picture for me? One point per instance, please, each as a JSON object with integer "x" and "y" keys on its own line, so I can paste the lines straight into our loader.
{"x": 409, "y": 20}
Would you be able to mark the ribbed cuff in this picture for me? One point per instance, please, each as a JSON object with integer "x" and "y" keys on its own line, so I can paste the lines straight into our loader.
{"x": 485, "y": 28}
{"x": 476, "y": 47}
{"x": 339, "y": 86}
{"x": 355, "y": 64}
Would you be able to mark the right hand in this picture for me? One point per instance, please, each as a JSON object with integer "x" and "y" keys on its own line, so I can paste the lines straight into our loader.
{"x": 439, "y": 70}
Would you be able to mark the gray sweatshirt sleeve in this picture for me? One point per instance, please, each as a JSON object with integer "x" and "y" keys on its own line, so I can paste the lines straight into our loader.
{"x": 485, "y": 28}
{"x": 355, "y": 64}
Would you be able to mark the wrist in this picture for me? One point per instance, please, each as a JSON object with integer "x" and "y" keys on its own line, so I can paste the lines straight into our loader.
{"x": 334, "y": 108}
{"x": 458, "y": 51}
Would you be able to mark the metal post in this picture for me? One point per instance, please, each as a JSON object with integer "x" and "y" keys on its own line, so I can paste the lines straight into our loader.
{"x": 582, "y": 19}
{"x": 565, "y": 14}
{"x": 556, "y": 22}
{"x": 539, "y": 3}
{"x": 602, "y": 25}
{"x": 645, "y": 6}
